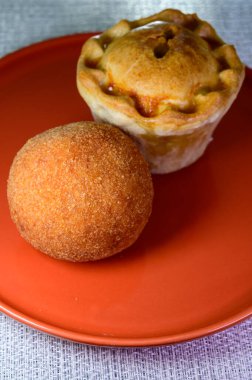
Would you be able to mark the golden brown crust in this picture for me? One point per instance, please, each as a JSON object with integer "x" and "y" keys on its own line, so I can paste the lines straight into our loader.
{"x": 80, "y": 192}
{"x": 172, "y": 74}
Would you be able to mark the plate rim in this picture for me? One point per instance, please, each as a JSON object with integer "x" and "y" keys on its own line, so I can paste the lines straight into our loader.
{"x": 99, "y": 340}
{"x": 111, "y": 341}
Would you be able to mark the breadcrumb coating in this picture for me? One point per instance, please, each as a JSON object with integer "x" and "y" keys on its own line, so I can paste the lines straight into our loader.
{"x": 80, "y": 192}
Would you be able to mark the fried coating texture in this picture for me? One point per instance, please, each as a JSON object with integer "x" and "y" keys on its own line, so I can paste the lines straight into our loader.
{"x": 80, "y": 192}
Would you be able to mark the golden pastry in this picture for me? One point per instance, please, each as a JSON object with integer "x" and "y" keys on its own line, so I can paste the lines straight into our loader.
{"x": 80, "y": 192}
{"x": 167, "y": 80}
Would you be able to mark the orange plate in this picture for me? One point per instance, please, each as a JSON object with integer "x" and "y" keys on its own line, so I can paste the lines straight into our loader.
{"x": 189, "y": 274}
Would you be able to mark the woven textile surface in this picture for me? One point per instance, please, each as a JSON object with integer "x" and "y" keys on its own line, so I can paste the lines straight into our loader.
{"x": 27, "y": 354}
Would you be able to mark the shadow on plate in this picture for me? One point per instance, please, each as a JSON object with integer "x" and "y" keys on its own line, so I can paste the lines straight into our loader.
{"x": 180, "y": 199}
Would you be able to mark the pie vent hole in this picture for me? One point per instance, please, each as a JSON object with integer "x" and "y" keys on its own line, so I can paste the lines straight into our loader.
{"x": 168, "y": 34}
{"x": 160, "y": 50}
{"x": 162, "y": 47}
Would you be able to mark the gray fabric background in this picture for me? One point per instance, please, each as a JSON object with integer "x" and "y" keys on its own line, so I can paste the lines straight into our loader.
{"x": 25, "y": 21}
{"x": 28, "y": 354}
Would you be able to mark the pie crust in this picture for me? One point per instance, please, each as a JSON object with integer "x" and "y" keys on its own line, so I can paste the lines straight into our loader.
{"x": 167, "y": 80}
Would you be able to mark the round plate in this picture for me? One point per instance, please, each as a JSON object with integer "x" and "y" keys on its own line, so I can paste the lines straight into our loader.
{"x": 190, "y": 272}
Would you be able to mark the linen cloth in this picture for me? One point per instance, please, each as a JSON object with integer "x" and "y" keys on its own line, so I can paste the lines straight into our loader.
{"x": 28, "y": 354}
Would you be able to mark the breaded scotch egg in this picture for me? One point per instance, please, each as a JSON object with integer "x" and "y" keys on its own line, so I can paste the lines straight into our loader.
{"x": 80, "y": 192}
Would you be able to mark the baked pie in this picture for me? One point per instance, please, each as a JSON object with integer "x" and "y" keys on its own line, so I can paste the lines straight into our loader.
{"x": 166, "y": 80}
